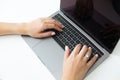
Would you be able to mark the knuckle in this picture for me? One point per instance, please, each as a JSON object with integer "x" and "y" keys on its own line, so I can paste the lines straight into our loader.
{"x": 83, "y": 64}
{"x": 54, "y": 20}
{"x": 54, "y": 25}
{"x": 73, "y": 56}
{"x": 87, "y": 66}
{"x": 49, "y": 33}
{"x": 43, "y": 22}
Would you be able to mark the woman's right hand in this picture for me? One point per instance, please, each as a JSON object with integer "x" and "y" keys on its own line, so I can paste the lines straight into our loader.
{"x": 76, "y": 64}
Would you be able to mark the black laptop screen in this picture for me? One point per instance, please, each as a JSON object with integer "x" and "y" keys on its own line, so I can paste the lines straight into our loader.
{"x": 97, "y": 17}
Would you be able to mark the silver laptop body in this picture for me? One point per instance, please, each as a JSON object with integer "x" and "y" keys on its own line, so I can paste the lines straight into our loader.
{"x": 51, "y": 53}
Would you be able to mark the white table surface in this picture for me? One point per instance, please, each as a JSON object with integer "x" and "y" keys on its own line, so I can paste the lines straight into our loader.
{"x": 19, "y": 62}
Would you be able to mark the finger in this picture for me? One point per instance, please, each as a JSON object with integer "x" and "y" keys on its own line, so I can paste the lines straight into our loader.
{"x": 57, "y": 23}
{"x": 83, "y": 51}
{"x": 50, "y": 20}
{"x": 44, "y": 35}
{"x": 92, "y": 61}
{"x": 67, "y": 52}
{"x": 52, "y": 26}
{"x": 76, "y": 50}
{"x": 87, "y": 55}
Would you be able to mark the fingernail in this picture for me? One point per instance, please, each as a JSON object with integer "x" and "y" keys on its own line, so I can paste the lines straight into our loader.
{"x": 90, "y": 48}
{"x": 53, "y": 33}
{"x": 96, "y": 55}
{"x": 85, "y": 45}
{"x": 66, "y": 48}
{"x": 62, "y": 26}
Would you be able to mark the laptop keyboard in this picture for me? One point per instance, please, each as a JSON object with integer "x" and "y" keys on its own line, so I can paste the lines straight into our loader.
{"x": 71, "y": 37}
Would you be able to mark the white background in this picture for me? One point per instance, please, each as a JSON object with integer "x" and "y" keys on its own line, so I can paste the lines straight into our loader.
{"x": 24, "y": 10}
{"x": 18, "y": 61}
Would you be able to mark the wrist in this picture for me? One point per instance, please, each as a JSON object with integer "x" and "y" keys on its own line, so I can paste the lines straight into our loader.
{"x": 67, "y": 78}
{"x": 64, "y": 77}
{"x": 22, "y": 28}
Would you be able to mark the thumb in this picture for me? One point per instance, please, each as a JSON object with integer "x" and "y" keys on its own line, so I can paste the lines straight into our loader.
{"x": 67, "y": 52}
{"x": 45, "y": 34}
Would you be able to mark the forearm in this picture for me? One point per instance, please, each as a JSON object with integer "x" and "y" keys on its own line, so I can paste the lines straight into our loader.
{"x": 12, "y": 28}
{"x": 36, "y": 28}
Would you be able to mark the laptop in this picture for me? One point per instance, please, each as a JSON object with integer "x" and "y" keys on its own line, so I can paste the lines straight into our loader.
{"x": 88, "y": 23}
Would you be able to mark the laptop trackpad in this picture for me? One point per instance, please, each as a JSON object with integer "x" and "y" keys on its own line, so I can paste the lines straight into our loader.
{"x": 51, "y": 54}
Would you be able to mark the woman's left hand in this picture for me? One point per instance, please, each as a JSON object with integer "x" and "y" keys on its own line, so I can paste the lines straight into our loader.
{"x": 38, "y": 27}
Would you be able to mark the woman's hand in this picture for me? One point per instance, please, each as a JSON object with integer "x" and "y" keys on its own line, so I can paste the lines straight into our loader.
{"x": 37, "y": 28}
{"x": 76, "y": 64}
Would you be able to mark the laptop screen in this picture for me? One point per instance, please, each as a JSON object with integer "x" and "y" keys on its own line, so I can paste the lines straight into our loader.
{"x": 97, "y": 17}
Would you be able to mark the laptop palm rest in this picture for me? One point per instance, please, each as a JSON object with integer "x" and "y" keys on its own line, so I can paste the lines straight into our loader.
{"x": 51, "y": 54}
